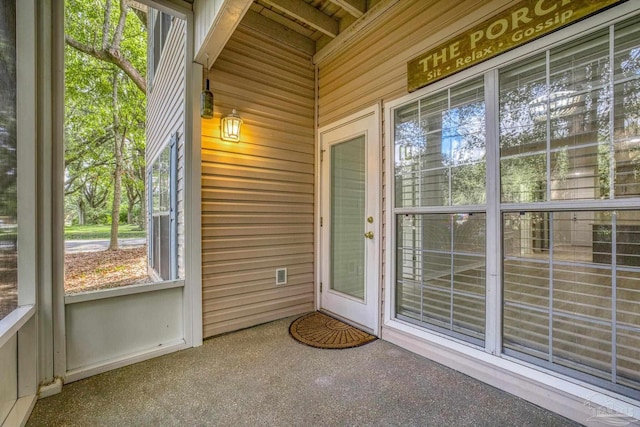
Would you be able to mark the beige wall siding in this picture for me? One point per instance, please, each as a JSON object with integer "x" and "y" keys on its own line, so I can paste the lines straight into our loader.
{"x": 165, "y": 114}
{"x": 374, "y": 67}
{"x": 258, "y": 194}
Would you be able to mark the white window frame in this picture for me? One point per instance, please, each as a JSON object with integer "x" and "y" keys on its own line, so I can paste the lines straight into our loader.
{"x": 192, "y": 282}
{"x": 192, "y": 99}
{"x": 173, "y": 209}
{"x": 530, "y": 381}
{"x": 21, "y": 322}
{"x": 446, "y": 209}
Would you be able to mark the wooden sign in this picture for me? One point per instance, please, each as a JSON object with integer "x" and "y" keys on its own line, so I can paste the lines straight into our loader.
{"x": 522, "y": 23}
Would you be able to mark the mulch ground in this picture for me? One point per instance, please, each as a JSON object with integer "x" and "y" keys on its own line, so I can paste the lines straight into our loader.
{"x": 91, "y": 271}
{"x": 85, "y": 271}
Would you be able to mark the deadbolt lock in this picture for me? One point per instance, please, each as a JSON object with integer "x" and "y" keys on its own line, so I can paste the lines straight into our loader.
{"x": 369, "y": 234}
{"x": 370, "y": 220}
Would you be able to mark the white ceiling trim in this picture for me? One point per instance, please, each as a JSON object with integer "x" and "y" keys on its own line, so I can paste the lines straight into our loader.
{"x": 308, "y": 14}
{"x": 355, "y": 32}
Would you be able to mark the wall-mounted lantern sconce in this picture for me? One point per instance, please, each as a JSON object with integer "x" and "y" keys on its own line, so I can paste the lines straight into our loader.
{"x": 206, "y": 98}
{"x": 206, "y": 103}
{"x": 230, "y": 127}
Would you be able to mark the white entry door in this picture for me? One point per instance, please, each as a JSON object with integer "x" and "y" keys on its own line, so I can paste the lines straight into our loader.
{"x": 350, "y": 219}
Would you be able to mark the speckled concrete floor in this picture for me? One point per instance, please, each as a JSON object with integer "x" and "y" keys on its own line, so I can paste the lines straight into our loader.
{"x": 262, "y": 377}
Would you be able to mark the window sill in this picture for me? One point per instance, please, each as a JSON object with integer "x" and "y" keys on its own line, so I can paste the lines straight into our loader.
{"x": 568, "y": 397}
{"x": 11, "y": 324}
{"x": 119, "y": 292}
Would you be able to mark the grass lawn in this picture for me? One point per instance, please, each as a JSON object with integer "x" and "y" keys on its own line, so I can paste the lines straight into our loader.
{"x": 87, "y": 232}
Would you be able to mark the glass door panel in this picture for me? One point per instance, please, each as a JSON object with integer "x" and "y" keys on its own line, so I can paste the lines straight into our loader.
{"x": 348, "y": 191}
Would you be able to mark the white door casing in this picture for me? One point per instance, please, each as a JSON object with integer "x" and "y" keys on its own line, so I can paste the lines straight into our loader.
{"x": 349, "y": 260}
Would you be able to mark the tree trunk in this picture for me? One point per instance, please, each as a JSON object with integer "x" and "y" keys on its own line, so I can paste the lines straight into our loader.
{"x": 132, "y": 199}
{"x": 81, "y": 215}
{"x": 118, "y": 146}
{"x": 117, "y": 192}
{"x": 144, "y": 204}
{"x": 143, "y": 217}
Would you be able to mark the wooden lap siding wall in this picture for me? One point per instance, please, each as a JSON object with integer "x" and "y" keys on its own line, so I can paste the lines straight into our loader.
{"x": 165, "y": 114}
{"x": 374, "y": 67}
{"x": 258, "y": 194}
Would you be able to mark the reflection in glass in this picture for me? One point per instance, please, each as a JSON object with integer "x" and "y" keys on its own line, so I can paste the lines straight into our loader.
{"x": 628, "y": 333}
{"x": 563, "y": 107}
{"x": 160, "y": 182}
{"x": 564, "y": 296}
{"x": 580, "y": 133}
{"x": 440, "y": 148}
{"x": 161, "y": 214}
{"x": 440, "y": 272}
{"x": 523, "y": 178}
{"x": 348, "y": 191}
{"x": 523, "y": 124}
{"x": 627, "y": 109}
{"x": 8, "y": 164}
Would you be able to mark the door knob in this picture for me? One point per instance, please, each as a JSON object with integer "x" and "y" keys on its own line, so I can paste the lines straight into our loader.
{"x": 369, "y": 234}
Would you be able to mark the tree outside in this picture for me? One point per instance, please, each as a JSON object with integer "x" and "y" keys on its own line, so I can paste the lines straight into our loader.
{"x": 105, "y": 109}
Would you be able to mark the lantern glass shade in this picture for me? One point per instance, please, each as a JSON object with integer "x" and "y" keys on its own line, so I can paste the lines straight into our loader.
{"x": 206, "y": 103}
{"x": 230, "y": 127}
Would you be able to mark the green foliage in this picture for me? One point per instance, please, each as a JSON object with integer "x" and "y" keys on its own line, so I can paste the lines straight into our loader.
{"x": 8, "y": 129}
{"x": 91, "y": 117}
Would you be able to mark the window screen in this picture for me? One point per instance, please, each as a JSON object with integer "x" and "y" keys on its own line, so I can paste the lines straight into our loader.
{"x": 8, "y": 161}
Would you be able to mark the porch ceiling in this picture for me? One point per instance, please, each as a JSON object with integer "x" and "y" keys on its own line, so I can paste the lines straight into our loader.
{"x": 317, "y": 20}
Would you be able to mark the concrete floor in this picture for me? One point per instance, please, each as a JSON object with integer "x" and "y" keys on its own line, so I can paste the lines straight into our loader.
{"x": 261, "y": 376}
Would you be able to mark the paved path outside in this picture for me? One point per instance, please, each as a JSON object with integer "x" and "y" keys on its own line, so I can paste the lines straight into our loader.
{"x": 262, "y": 377}
{"x": 74, "y": 246}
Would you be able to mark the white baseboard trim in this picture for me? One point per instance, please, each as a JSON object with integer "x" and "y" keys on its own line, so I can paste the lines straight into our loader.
{"x": 119, "y": 362}
{"x": 50, "y": 389}
{"x": 589, "y": 406}
{"x": 21, "y": 411}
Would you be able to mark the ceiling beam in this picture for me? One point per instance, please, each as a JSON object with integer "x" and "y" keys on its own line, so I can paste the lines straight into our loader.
{"x": 355, "y": 8}
{"x": 278, "y": 32}
{"x": 308, "y": 14}
{"x": 360, "y": 28}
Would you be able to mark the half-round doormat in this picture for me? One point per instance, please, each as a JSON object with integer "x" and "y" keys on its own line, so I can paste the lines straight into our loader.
{"x": 321, "y": 331}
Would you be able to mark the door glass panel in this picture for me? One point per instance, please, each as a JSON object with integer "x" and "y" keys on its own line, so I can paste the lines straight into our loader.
{"x": 348, "y": 167}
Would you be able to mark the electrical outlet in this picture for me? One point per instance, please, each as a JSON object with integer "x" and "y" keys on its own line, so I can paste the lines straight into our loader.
{"x": 281, "y": 276}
